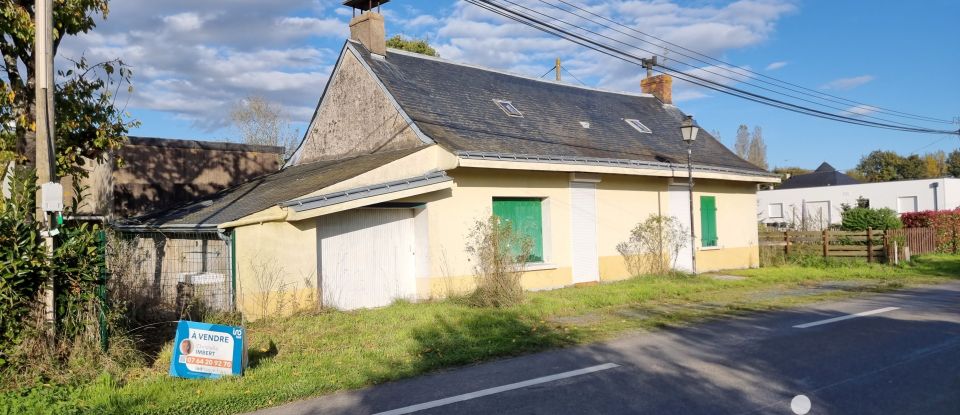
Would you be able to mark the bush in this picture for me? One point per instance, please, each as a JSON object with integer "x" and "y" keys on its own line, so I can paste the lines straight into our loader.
{"x": 946, "y": 223}
{"x": 500, "y": 254}
{"x": 654, "y": 245}
{"x": 861, "y": 218}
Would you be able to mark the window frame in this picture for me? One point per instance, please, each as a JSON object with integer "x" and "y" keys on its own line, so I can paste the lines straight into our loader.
{"x": 639, "y": 126}
{"x": 506, "y": 106}
{"x": 538, "y": 254}
{"x": 770, "y": 210}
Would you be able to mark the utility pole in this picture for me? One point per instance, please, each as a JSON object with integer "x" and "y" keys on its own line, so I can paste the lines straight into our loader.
{"x": 557, "y": 67}
{"x": 46, "y": 173}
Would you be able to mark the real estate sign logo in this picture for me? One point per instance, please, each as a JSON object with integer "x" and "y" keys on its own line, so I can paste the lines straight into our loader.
{"x": 203, "y": 350}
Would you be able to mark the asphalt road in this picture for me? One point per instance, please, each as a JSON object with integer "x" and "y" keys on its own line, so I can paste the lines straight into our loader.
{"x": 901, "y": 357}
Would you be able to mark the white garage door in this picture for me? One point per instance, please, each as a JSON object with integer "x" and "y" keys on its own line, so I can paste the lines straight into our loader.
{"x": 366, "y": 257}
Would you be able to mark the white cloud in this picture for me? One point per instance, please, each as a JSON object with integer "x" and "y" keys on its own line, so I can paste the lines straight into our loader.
{"x": 195, "y": 59}
{"x": 861, "y": 110}
{"x": 847, "y": 83}
{"x": 477, "y": 36}
{"x": 422, "y": 20}
{"x": 775, "y": 65}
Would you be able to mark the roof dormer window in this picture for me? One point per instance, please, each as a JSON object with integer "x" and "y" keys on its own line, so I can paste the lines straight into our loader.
{"x": 508, "y": 108}
{"x": 637, "y": 125}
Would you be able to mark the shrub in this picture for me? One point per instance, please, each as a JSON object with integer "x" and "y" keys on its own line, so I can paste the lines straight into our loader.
{"x": 654, "y": 245}
{"x": 946, "y": 223}
{"x": 500, "y": 254}
{"x": 861, "y": 218}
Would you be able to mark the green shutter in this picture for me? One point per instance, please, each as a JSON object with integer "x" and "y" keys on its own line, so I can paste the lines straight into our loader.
{"x": 525, "y": 215}
{"x": 708, "y": 221}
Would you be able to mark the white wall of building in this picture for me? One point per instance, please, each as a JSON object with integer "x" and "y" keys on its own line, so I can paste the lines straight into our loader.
{"x": 822, "y": 205}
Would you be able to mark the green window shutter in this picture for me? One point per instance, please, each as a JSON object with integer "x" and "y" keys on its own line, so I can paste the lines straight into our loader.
{"x": 526, "y": 217}
{"x": 708, "y": 220}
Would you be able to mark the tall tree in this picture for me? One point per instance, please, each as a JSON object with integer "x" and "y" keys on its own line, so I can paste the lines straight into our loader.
{"x": 262, "y": 122}
{"x": 953, "y": 163}
{"x": 911, "y": 167}
{"x": 757, "y": 153}
{"x": 742, "y": 145}
{"x": 412, "y": 45}
{"x": 935, "y": 164}
{"x": 880, "y": 166}
{"x": 88, "y": 123}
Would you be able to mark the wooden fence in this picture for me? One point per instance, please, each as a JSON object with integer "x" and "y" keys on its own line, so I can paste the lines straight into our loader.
{"x": 870, "y": 245}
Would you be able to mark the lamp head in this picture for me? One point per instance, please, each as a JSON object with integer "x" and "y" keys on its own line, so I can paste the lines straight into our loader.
{"x": 688, "y": 129}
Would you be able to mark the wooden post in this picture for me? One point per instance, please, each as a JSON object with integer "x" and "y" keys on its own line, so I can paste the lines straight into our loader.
{"x": 869, "y": 245}
{"x": 886, "y": 245}
{"x": 826, "y": 243}
{"x": 786, "y": 243}
{"x": 45, "y": 154}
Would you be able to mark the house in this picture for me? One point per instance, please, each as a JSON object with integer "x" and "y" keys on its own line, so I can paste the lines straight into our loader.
{"x": 159, "y": 173}
{"x": 825, "y": 175}
{"x": 817, "y": 201}
{"x": 406, "y": 152}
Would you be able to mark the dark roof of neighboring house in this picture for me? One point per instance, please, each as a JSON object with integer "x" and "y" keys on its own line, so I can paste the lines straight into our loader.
{"x": 267, "y": 191}
{"x": 207, "y": 145}
{"x": 453, "y": 104}
{"x": 825, "y": 175}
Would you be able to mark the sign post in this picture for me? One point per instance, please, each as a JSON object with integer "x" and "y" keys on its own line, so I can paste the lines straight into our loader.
{"x": 203, "y": 350}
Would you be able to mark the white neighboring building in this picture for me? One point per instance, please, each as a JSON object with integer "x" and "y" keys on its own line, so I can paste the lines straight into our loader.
{"x": 817, "y": 207}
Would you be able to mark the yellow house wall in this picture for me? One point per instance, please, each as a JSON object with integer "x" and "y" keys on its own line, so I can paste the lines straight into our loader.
{"x": 276, "y": 268}
{"x": 736, "y": 225}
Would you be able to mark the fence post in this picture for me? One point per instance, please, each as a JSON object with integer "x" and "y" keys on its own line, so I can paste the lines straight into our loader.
{"x": 886, "y": 245}
{"x": 869, "y": 245}
{"x": 786, "y": 243}
{"x": 954, "y": 239}
{"x": 102, "y": 290}
{"x": 825, "y": 242}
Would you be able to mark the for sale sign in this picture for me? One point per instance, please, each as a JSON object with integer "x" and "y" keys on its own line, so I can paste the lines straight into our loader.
{"x": 203, "y": 350}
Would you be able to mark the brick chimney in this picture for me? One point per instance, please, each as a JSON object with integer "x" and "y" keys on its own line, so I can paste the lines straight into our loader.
{"x": 659, "y": 86}
{"x": 368, "y": 27}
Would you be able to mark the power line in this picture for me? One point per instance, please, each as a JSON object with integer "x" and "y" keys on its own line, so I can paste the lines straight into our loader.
{"x": 706, "y": 83}
{"x": 745, "y": 71}
{"x": 844, "y": 110}
{"x": 571, "y": 74}
{"x": 547, "y": 72}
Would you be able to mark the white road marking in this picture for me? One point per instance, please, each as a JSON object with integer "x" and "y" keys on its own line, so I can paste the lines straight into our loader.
{"x": 847, "y": 317}
{"x": 498, "y": 389}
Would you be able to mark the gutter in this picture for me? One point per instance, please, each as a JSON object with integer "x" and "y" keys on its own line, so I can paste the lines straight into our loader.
{"x": 299, "y": 205}
{"x": 276, "y": 217}
{"x": 606, "y": 162}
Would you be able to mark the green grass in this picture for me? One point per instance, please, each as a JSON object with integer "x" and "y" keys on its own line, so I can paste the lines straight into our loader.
{"x": 310, "y": 355}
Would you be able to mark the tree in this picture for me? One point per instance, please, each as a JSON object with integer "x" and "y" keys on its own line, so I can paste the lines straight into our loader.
{"x": 935, "y": 164}
{"x": 880, "y": 166}
{"x": 911, "y": 167}
{"x": 262, "y": 122}
{"x": 757, "y": 153}
{"x": 953, "y": 163}
{"x": 88, "y": 123}
{"x": 742, "y": 145}
{"x": 412, "y": 45}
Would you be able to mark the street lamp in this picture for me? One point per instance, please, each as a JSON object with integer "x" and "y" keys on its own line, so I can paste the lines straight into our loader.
{"x": 689, "y": 132}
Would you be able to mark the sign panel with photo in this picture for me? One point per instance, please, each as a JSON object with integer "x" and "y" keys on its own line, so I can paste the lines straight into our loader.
{"x": 203, "y": 350}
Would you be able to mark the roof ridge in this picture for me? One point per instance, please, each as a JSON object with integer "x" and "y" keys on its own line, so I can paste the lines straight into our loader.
{"x": 513, "y": 74}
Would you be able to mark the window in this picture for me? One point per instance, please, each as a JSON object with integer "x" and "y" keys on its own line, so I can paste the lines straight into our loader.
{"x": 508, "y": 108}
{"x": 775, "y": 210}
{"x": 637, "y": 125}
{"x": 525, "y": 215}
{"x": 906, "y": 204}
{"x": 708, "y": 221}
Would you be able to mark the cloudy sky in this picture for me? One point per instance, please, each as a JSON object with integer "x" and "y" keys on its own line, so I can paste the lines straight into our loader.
{"x": 193, "y": 60}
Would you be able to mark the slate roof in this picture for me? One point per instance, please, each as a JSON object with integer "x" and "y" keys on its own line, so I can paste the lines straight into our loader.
{"x": 267, "y": 191}
{"x": 453, "y": 104}
{"x": 825, "y": 175}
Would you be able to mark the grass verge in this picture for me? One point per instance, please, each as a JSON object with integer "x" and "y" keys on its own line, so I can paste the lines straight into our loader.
{"x": 310, "y": 355}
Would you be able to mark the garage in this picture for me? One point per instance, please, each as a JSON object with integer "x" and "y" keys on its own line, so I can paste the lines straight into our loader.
{"x": 367, "y": 257}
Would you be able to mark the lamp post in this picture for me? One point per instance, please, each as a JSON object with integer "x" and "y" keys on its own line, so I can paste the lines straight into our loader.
{"x": 689, "y": 132}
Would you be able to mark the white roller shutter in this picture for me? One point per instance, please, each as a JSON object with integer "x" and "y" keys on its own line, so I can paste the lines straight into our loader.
{"x": 583, "y": 232}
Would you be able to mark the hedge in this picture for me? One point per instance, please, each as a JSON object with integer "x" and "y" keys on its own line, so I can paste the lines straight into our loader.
{"x": 945, "y": 222}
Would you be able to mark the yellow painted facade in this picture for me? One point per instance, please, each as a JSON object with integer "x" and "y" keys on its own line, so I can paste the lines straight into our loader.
{"x": 451, "y": 212}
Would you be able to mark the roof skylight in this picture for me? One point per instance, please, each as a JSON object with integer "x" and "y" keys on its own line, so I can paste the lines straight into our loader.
{"x": 508, "y": 108}
{"x": 637, "y": 125}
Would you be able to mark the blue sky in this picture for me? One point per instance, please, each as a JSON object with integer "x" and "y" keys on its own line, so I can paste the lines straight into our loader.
{"x": 193, "y": 60}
